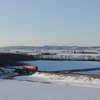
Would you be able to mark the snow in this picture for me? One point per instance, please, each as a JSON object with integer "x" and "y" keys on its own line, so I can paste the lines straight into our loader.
{"x": 63, "y": 65}
{"x": 31, "y": 91}
{"x": 62, "y": 79}
{"x": 4, "y": 72}
{"x": 50, "y": 87}
{"x": 42, "y": 86}
{"x": 44, "y": 65}
{"x": 46, "y": 86}
{"x": 71, "y": 56}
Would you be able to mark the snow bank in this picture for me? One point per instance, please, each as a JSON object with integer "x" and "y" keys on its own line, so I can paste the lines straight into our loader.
{"x": 62, "y": 79}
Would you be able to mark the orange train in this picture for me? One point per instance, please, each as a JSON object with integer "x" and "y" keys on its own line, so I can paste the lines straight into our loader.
{"x": 30, "y": 67}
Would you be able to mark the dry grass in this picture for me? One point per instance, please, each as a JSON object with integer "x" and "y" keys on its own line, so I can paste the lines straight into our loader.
{"x": 8, "y": 78}
{"x": 72, "y": 74}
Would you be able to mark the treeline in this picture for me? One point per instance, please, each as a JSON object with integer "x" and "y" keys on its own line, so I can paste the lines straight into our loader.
{"x": 70, "y": 57}
{"x": 11, "y": 59}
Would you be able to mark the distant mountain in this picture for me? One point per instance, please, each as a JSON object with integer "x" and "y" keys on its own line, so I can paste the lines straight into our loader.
{"x": 49, "y": 48}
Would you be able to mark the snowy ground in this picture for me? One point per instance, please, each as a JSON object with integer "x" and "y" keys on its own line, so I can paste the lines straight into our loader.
{"x": 43, "y": 86}
{"x": 4, "y": 72}
{"x": 50, "y": 87}
{"x": 44, "y": 65}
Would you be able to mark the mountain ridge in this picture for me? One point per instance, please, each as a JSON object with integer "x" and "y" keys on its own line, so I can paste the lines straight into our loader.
{"x": 46, "y": 47}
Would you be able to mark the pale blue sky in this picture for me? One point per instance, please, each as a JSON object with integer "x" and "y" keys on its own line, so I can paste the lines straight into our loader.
{"x": 49, "y": 22}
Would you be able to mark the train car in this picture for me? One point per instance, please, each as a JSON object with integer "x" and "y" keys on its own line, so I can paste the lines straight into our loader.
{"x": 35, "y": 68}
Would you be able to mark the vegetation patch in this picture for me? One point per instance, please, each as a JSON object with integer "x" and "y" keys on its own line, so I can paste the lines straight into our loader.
{"x": 11, "y": 59}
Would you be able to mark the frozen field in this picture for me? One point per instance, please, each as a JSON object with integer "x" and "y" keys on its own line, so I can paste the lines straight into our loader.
{"x": 44, "y": 65}
{"x": 50, "y": 87}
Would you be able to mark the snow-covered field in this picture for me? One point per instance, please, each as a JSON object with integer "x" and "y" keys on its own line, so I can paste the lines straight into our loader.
{"x": 50, "y": 87}
{"x": 44, "y": 65}
{"x": 46, "y": 86}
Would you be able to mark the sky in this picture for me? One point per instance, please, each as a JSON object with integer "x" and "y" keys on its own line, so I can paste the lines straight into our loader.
{"x": 49, "y": 22}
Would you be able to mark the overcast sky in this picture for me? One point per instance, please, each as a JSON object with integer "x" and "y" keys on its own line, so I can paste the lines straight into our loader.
{"x": 49, "y": 22}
